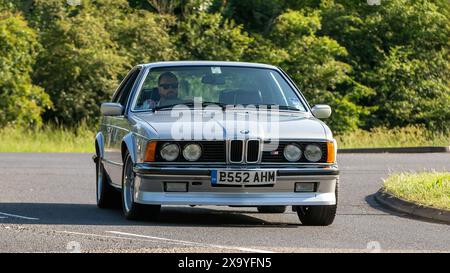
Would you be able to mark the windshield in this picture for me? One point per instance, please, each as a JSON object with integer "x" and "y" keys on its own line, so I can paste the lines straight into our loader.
{"x": 166, "y": 87}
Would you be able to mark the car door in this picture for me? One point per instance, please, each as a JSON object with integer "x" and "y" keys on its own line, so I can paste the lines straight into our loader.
{"x": 117, "y": 127}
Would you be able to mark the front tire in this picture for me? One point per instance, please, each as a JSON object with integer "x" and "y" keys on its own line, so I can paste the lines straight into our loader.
{"x": 131, "y": 209}
{"x": 107, "y": 196}
{"x": 271, "y": 209}
{"x": 318, "y": 215}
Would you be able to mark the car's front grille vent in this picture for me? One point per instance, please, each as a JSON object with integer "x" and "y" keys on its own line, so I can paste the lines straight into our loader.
{"x": 236, "y": 151}
{"x": 274, "y": 154}
{"x": 252, "y": 150}
{"x": 212, "y": 151}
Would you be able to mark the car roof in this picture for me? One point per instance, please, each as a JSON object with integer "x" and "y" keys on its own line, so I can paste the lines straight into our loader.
{"x": 209, "y": 63}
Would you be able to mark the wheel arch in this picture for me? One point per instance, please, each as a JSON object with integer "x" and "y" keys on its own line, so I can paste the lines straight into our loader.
{"x": 99, "y": 145}
{"x": 129, "y": 145}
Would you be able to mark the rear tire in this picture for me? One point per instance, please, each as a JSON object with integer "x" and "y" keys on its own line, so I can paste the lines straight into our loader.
{"x": 271, "y": 209}
{"x": 107, "y": 196}
{"x": 131, "y": 209}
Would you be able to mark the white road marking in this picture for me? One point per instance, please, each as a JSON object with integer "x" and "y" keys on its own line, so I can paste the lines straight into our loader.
{"x": 282, "y": 249}
{"x": 144, "y": 238}
{"x": 19, "y": 216}
{"x": 92, "y": 235}
{"x": 191, "y": 243}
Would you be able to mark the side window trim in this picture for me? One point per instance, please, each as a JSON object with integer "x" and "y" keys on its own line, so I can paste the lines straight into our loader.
{"x": 124, "y": 97}
{"x": 138, "y": 88}
{"x": 296, "y": 89}
{"x": 119, "y": 90}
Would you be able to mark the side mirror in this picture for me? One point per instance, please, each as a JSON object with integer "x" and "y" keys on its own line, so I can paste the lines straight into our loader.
{"x": 111, "y": 109}
{"x": 321, "y": 111}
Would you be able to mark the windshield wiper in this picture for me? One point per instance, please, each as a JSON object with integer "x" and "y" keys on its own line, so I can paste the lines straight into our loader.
{"x": 190, "y": 104}
{"x": 281, "y": 107}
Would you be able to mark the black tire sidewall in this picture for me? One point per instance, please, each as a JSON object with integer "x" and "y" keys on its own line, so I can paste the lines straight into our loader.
{"x": 132, "y": 212}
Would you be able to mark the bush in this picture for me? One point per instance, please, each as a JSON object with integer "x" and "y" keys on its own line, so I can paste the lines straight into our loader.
{"x": 314, "y": 63}
{"x": 22, "y": 103}
{"x": 204, "y": 36}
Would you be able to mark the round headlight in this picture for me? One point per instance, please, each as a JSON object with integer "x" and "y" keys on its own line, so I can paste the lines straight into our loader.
{"x": 170, "y": 151}
{"x": 313, "y": 153}
{"x": 192, "y": 152}
{"x": 292, "y": 152}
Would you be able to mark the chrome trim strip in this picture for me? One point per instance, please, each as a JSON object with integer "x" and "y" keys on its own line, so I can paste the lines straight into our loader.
{"x": 298, "y": 140}
{"x": 209, "y": 164}
{"x": 183, "y": 163}
{"x": 112, "y": 162}
{"x": 118, "y": 127}
{"x": 144, "y": 169}
{"x": 261, "y": 140}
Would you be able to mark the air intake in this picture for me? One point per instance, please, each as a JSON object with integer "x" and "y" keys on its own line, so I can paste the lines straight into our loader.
{"x": 236, "y": 151}
{"x": 252, "y": 151}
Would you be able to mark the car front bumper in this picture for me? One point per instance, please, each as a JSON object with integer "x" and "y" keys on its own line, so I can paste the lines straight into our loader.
{"x": 149, "y": 186}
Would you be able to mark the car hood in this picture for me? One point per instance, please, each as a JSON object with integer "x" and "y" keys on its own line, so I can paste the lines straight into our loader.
{"x": 291, "y": 125}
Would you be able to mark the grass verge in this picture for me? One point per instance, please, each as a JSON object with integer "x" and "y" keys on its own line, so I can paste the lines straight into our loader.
{"x": 47, "y": 139}
{"x": 426, "y": 188}
{"x": 398, "y": 137}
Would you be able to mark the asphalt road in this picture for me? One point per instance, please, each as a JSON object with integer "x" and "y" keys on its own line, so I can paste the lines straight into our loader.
{"x": 47, "y": 204}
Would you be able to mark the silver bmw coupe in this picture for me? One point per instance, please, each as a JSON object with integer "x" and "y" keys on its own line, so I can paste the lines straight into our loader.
{"x": 217, "y": 134}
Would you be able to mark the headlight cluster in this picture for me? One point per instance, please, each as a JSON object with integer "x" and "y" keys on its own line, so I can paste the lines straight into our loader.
{"x": 171, "y": 151}
{"x": 192, "y": 152}
{"x": 293, "y": 153}
{"x": 313, "y": 153}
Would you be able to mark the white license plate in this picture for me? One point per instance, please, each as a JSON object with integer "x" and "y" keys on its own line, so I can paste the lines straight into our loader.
{"x": 222, "y": 177}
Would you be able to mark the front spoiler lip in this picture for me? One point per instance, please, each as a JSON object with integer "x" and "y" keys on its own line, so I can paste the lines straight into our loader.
{"x": 237, "y": 199}
{"x": 146, "y": 169}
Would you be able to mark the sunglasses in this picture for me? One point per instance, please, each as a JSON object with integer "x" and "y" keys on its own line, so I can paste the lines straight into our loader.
{"x": 169, "y": 85}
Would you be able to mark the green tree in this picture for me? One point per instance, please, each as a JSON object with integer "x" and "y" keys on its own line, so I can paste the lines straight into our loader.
{"x": 412, "y": 90}
{"x": 79, "y": 66}
{"x": 89, "y": 48}
{"x": 315, "y": 64}
{"x": 401, "y": 50}
{"x": 144, "y": 37}
{"x": 205, "y": 36}
{"x": 254, "y": 15}
{"x": 21, "y": 102}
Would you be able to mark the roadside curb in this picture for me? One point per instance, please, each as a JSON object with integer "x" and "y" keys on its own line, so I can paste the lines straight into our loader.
{"x": 401, "y": 205}
{"x": 430, "y": 149}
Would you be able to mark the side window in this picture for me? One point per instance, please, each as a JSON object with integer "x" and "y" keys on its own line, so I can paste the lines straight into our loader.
{"x": 119, "y": 90}
{"x": 123, "y": 99}
{"x": 124, "y": 90}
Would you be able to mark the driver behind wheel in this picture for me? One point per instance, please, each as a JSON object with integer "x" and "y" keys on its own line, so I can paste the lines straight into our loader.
{"x": 167, "y": 89}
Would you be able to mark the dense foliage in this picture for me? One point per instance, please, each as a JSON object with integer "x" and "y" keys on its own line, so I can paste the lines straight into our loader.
{"x": 21, "y": 102}
{"x": 376, "y": 65}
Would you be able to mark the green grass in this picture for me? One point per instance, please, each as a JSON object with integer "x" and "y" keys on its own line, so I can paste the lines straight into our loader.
{"x": 427, "y": 188}
{"x": 47, "y": 139}
{"x": 81, "y": 139}
{"x": 400, "y": 137}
